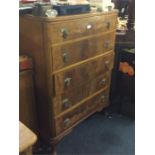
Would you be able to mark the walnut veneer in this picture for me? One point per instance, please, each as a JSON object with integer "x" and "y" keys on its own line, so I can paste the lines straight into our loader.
{"x": 73, "y": 58}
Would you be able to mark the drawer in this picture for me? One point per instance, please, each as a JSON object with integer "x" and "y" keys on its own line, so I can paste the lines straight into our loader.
{"x": 88, "y": 107}
{"x": 72, "y": 78}
{"x": 71, "y": 53}
{"x": 60, "y": 32}
{"x": 68, "y": 99}
{"x": 106, "y": 23}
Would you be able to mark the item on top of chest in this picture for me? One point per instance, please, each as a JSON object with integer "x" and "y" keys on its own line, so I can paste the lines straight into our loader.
{"x": 77, "y": 2}
{"x": 72, "y": 9}
{"x": 69, "y": 2}
{"x": 102, "y": 5}
{"x": 44, "y": 10}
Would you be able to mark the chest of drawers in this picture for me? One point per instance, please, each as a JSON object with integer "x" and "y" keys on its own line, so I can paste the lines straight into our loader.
{"x": 73, "y": 57}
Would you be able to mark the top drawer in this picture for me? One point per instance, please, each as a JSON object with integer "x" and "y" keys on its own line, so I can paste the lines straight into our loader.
{"x": 60, "y": 32}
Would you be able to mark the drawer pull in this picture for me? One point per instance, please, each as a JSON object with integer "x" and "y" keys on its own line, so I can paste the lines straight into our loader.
{"x": 66, "y": 103}
{"x": 64, "y": 32}
{"x": 66, "y": 122}
{"x": 106, "y": 44}
{"x": 67, "y": 81}
{"x": 107, "y": 62}
{"x": 65, "y": 57}
{"x": 108, "y": 24}
{"x": 89, "y": 26}
{"x": 103, "y": 81}
{"x": 102, "y": 98}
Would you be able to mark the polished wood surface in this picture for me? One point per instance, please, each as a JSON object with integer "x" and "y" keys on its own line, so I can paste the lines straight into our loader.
{"x": 31, "y": 43}
{"x": 72, "y": 78}
{"x": 70, "y": 17}
{"x": 72, "y": 85}
{"x": 74, "y": 52}
{"x": 86, "y": 106}
{"x": 69, "y": 98}
{"x": 26, "y": 137}
{"x": 64, "y": 31}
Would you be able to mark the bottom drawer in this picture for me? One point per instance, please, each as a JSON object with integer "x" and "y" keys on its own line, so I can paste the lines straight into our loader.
{"x": 71, "y": 118}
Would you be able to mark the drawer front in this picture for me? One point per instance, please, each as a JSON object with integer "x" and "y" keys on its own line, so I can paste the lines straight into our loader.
{"x": 71, "y": 53}
{"x": 70, "y": 98}
{"x": 73, "y": 78}
{"x": 107, "y": 23}
{"x": 74, "y": 29}
{"x": 71, "y": 118}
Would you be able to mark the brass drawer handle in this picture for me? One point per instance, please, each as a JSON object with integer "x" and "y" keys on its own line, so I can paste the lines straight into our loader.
{"x": 66, "y": 122}
{"x": 108, "y": 25}
{"x": 67, "y": 81}
{"x": 103, "y": 98}
{"x": 65, "y": 57}
{"x": 66, "y": 103}
{"x": 106, "y": 44}
{"x": 107, "y": 62}
{"x": 103, "y": 81}
{"x": 89, "y": 26}
{"x": 64, "y": 32}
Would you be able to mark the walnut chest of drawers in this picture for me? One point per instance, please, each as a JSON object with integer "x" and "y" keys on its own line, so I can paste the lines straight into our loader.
{"x": 73, "y": 58}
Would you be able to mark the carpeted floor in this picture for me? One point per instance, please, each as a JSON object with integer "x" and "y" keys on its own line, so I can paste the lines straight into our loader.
{"x": 100, "y": 135}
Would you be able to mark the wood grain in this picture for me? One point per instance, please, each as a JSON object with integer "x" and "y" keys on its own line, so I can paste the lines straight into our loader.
{"x": 64, "y": 31}
{"x": 32, "y": 43}
{"x": 72, "y": 97}
{"x": 70, "y": 17}
{"x": 89, "y": 61}
{"x": 65, "y": 121}
{"x": 26, "y": 137}
{"x": 73, "y": 52}
{"x": 82, "y": 73}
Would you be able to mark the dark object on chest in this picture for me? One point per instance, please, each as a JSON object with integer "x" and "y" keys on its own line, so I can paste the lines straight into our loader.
{"x": 71, "y": 9}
